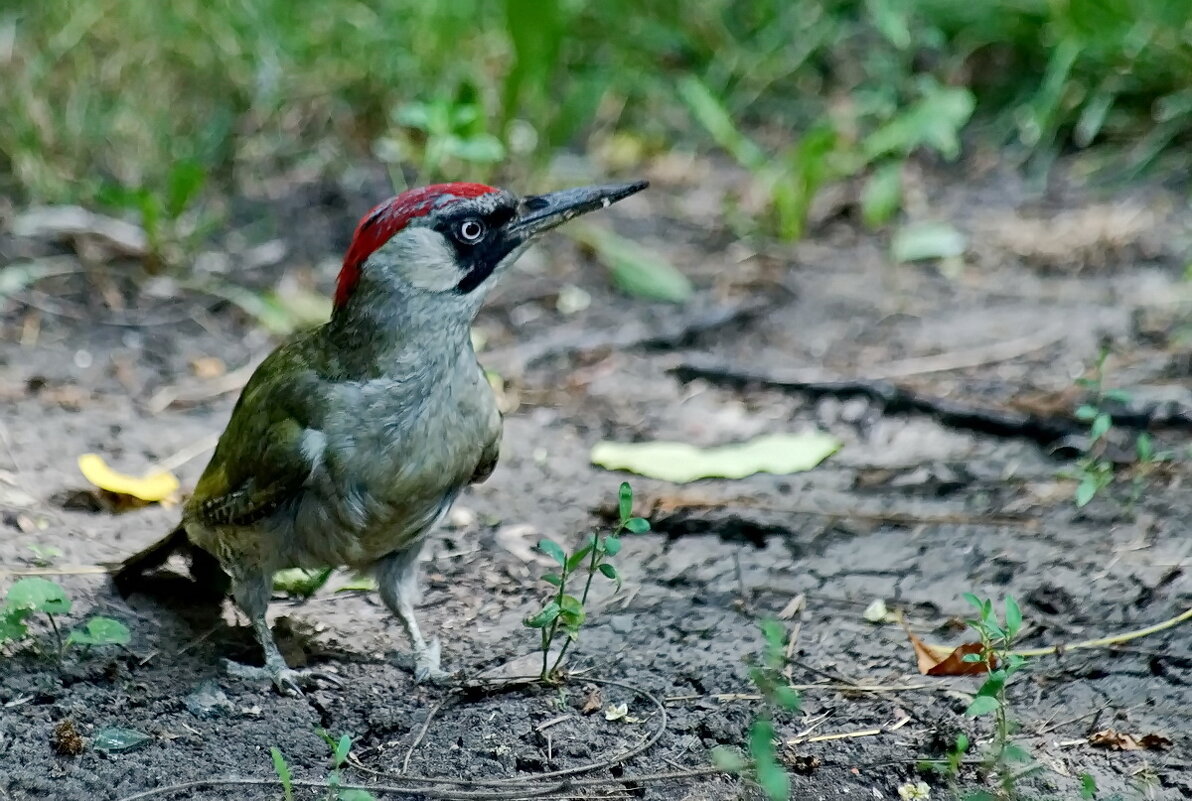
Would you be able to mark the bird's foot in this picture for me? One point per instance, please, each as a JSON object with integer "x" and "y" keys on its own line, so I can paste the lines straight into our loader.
{"x": 426, "y": 664}
{"x": 287, "y": 680}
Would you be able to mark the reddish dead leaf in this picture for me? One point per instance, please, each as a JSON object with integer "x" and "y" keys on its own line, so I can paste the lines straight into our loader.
{"x": 1120, "y": 741}
{"x": 940, "y": 660}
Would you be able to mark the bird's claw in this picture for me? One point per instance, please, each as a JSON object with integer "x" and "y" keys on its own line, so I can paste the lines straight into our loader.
{"x": 287, "y": 680}
{"x": 426, "y": 665}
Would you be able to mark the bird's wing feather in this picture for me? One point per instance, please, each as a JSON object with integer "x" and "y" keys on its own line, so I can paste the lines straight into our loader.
{"x": 262, "y": 461}
{"x": 487, "y": 463}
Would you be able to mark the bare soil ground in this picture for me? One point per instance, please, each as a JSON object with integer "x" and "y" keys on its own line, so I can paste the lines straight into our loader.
{"x": 912, "y": 510}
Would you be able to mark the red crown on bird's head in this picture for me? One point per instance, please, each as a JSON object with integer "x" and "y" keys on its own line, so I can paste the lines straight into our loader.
{"x": 387, "y": 219}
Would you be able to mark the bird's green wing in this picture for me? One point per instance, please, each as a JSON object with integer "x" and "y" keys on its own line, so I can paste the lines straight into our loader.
{"x": 261, "y": 461}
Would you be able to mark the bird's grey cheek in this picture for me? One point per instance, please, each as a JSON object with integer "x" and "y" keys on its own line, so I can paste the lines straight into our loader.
{"x": 425, "y": 260}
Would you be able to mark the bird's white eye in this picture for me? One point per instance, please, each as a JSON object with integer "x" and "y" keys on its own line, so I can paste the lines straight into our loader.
{"x": 471, "y": 230}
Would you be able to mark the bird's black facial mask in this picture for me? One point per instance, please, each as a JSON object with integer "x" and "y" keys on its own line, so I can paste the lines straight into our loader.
{"x": 506, "y": 229}
{"x": 479, "y": 256}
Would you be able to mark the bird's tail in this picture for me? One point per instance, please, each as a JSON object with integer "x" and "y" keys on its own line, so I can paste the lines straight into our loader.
{"x": 209, "y": 578}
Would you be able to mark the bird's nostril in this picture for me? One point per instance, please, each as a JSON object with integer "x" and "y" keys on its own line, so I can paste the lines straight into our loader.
{"x": 536, "y": 203}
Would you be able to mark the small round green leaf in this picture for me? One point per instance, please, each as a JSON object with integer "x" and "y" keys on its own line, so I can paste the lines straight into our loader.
{"x": 571, "y": 604}
{"x": 981, "y": 705}
{"x": 637, "y": 525}
{"x": 608, "y": 571}
{"x": 38, "y": 594}
{"x": 611, "y": 545}
{"x": 553, "y": 579}
{"x": 12, "y": 626}
{"x": 101, "y": 631}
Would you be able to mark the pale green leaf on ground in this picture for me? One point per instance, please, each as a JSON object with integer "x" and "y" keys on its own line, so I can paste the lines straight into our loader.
{"x": 116, "y": 740}
{"x": 635, "y": 270}
{"x": 927, "y": 241}
{"x": 679, "y": 462}
{"x": 300, "y": 581}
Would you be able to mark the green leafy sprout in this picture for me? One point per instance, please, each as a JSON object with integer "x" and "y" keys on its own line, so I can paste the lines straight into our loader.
{"x": 1094, "y": 469}
{"x": 762, "y": 766}
{"x": 1001, "y": 663}
{"x": 171, "y": 232}
{"x": 34, "y": 595}
{"x": 340, "y": 748}
{"x": 564, "y": 613}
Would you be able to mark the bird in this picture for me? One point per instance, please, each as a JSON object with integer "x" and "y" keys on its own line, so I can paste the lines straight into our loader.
{"x": 352, "y": 440}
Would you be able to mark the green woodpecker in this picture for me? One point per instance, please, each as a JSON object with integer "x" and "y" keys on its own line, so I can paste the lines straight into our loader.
{"x": 352, "y": 440}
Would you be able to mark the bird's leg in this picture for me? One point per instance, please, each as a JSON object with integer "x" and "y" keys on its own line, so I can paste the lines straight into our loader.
{"x": 252, "y": 596}
{"x": 397, "y": 579}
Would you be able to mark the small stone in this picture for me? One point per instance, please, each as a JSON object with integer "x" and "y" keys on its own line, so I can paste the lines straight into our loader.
{"x": 208, "y": 701}
{"x": 621, "y": 624}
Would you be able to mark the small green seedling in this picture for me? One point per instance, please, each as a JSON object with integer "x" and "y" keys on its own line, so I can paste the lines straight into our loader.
{"x": 1001, "y": 663}
{"x": 762, "y": 766}
{"x": 35, "y": 595}
{"x": 1094, "y": 469}
{"x": 339, "y": 756}
{"x": 564, "y": 614}
{"x": 162, "y": 211}
{"x": 282, "y": 768}
{"x": 949, "y": 766}
{"x": 340, "y": 748}
{"x": 43, "y": 555}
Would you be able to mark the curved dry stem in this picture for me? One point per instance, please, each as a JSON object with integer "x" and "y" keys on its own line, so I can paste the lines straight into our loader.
{"x": 1104, "y": 642}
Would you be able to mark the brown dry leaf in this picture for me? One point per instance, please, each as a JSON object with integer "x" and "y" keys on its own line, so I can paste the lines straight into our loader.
{"x": 593, "y": 702}
{"x": 942, "y": 660}
{"x": 1120, "y": 741}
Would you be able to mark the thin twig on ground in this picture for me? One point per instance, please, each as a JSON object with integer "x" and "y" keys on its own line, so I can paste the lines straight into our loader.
{"x": 1106, "y": 642}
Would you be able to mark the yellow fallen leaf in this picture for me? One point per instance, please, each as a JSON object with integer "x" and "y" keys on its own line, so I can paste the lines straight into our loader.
{"x": 154, "y": 487}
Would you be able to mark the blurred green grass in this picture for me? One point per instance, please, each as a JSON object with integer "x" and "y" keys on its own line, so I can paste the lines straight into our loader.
{"x": 102, "y": 93}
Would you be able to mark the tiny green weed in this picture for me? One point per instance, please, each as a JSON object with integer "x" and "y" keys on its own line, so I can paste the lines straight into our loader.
{"x": 1001, "y": 663}
{"x": 340, "y": 748}
{"x": 447, "y": 135}
{"x": 282, "y": 769}
{"x": 1094, "y": 470}
{"x": 339, "y": 756}
{"x": 762, "y": 766}
{"x": 164, "y": 212}
{"x": 564, "y": 613}
{"x": 33, "y": 595}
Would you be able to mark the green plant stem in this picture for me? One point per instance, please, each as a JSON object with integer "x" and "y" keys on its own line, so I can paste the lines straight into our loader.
{"x": 547, "y": 640}
{"x": 57, "y": 638}
{"x": 583, "y": 599}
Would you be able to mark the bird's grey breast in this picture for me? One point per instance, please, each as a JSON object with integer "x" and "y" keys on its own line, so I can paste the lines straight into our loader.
{"x": 395, "y": 453}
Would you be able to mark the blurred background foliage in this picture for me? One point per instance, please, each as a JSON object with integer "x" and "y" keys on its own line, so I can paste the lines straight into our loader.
{"x": 149, "y": 106}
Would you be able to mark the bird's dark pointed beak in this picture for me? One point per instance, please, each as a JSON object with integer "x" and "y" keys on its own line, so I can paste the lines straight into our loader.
{"x": 538, "y": 213}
